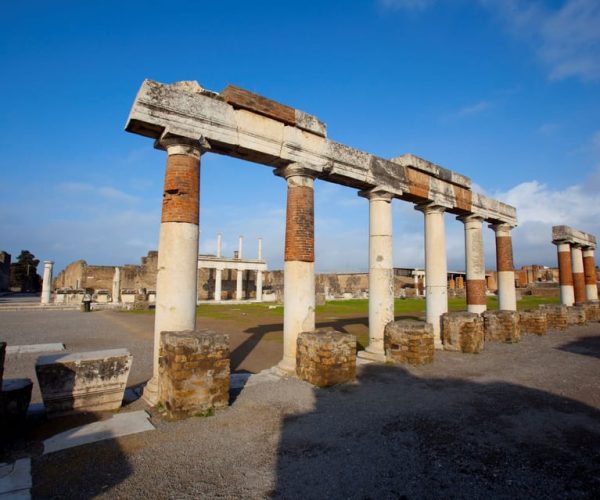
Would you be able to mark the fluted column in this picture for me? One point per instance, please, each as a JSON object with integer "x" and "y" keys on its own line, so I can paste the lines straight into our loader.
{"x": 176, "y": 280}
{"x": 578, "y": 275}
{"x": 507, "y": 294}
{"x": 474, "y": 263}
{"x": 381, "y": 273}
{"x": 299, "y": 266}
{"x": 436, "y": 268}
{"x": 565, "y": 273}
{"x": 47, "y": 282}
{"x": 589, "y": 270}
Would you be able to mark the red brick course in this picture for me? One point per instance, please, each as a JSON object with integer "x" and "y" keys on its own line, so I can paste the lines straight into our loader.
{"x": 504, "y": 253}
{"x": 564, "y": 268}
{"x": 589, "y": 269}
{"x": 476, "y": 292}
{"x": 300, "y": 223}
{"x": 579, "y": 288}
{"x": 181, "y": 195}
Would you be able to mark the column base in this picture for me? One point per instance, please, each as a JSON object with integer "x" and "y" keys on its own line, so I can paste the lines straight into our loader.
{"x": 286, "y": 368}
{"x": 438, "y": 345}
{"x": 371, "y": 356}
{"x": 150, "y": 394}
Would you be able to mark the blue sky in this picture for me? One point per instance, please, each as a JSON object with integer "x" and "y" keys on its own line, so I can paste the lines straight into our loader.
{"x": 507, "y": 93}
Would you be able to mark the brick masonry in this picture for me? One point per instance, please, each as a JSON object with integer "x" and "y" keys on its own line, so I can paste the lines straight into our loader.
{"x": 409, "y": 341}
{"x": 299, "y": 229}
{"x": 181, "y": 190}
{"x": 534, "y": 321}
{"x": 476, "y": 292}
{"x": 592, "y": 311}
{"x": 564, "y": 266}
{"x": 589, "y": 269}
{"x": 463, "y": 332}
{"x": 576, "y": 315}
{"x": 194, "y": 372}
{"x": 501, "y": 326}
{"x": 557, "y": 316}
{"x": 504, "y": 255}
{"x": 326, "y": 357}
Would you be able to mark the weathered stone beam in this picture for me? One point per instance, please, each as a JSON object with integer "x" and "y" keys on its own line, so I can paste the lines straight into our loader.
{"x": 566, "y": 234}
{"x": 241, "y": 124}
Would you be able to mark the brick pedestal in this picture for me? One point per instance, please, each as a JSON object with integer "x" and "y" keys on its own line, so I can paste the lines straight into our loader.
{"x": 576, "y": 315}
{"x": 534, "y": 321}
{"x": 557, "y": 316}
{"x": 501, "y": 326}
{"x": 592, "y": 311}
{"x": 409, "y": 341}
{"x": 193, "y": 372}
{"x": 326, "y": 357}
{"x": 463, "y": 332}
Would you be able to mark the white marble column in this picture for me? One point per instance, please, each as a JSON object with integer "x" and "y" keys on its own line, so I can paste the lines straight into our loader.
{"x": 591, "y": 281}
{"x": 507, "y": 294}
{"x": 416, "y": 284}
{"x": 299, "y": 261}
{"x": 259, "y": 286}
{"x": 381, "y": 273}
{"x": 219, "y": 243}
{"x": 260, "y": 248}
{"x": 436, "y": 268}
{"x": 116, "y": 286}
{"x": 218, "y": 284}
{"x": 239, "y": 289}
{"x": 47, "y": 282}
{"x": 474, "y": 263}
{"x": 176, "y": 280}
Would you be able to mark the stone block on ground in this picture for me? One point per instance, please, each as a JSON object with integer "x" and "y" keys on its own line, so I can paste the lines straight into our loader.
{"x": 194, "y": 373}
{"x": 557, "y": 316}
{"x": 576, "y": 315}
{"x": 84, "y": 381}
{"x": 534, "y": 321}
{"x": 592, "y": 311}
{"x": 15, "y": 396}
{"x": 326, "y": 357}
{"x": 501, "y": 326}
{"x": 409, "y": 341}
{"x": 462, "y": 331}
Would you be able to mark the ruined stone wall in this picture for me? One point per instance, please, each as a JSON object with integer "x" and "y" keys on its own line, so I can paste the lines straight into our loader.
{"x": 4, "y": 271}
{"x": 142, "y": 276}
{"x": 71, "y": 276}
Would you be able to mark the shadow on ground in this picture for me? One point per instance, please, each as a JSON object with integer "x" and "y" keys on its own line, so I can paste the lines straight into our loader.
{"x": 394, "y": 435}
{"x": 587, "y": 346}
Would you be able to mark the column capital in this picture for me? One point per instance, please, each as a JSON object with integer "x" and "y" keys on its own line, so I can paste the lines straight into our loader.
{"x": 376, "y": 194}
{"x": 179, "y": 145}
{"x": 430, "y": 208}
{"x": 501, "y": 228}
{"x": 589, "y": 249}
{"x": 470, "y": 218}
{"x": 561, "y": 242}
{"x": 295, "y": 170}
{"x": 48, "y": 263}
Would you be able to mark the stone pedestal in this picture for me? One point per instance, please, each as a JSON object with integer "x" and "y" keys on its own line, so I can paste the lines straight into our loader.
{"x": 194, "y": 372}
{"x": 326, "y": 357}
{"x": 592, "y": 311}
{"x": 85, "y": 381}
{"x": 409, "y": 341}
{"x": 576, "y": 315}
{"x": 15, "y": 396}
{"x": 534, "y": 321}
{"x": 501, "y": 326}
{"x": 557, "y": 316}
{"x": 463, "y": 332}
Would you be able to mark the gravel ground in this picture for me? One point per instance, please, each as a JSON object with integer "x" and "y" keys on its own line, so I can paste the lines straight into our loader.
{"x": 518, "y": 420}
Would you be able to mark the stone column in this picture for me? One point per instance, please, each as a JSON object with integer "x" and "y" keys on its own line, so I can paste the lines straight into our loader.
{"x": 219, "y": 243}
{"x": 381, "y": 273}
{"x": 116, "y": 286}
{"x": 47, "y": 283}
{"x": 565, "y": 273}
{"x": 176, "y": 279}
{"x": 507, "y": 294}
{"x": 589, "y": 270}
{"x": 299, "y": 266}
{"x": 416, "y": 285}
{"x": 259, "y": 286}
{"x": 578, "y": 276}
{"x": 218, "y": 280}
{"x": 474, "y": 263}
{"x": 239, "y": 293}
{"x": 436, "y": 268}
{"x": 259, "y": 248}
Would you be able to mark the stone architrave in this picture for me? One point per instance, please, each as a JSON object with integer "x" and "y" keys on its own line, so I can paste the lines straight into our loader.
{"x": 578, "y": 274}
{"x": 507, "y": 295}
{"x": 299, "y": 261}
{"x": 436, "y": 268}
{"x": 474, "y": 263}
{"x": 381, "y": 272}
{"x": 589, "y": 269}
{"x": 47, "y": 282}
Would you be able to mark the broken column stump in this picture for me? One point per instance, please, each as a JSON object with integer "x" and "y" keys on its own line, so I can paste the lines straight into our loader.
{"x": 557, "y": 316}
{"x": 83, "y": 381}
{"x": 501, "y": 326}
{"x": 576, "y": 315}
{"x": 409, "y": 341}
{"x": 534, "y": 321}
{"x": 194, "y": 372}
{"x": 592, "y": 311}
{"x": 326, "y": 357}
{"x": 15, "y": 396}
{"x": 462, "y": 331}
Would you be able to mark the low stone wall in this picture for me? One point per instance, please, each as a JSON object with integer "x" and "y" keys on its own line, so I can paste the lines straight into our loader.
{"x": 501, "y": 326}
{"x": 592, "y": 311}
{"x": 409, "y": 341}
{"x": 557, "y": 316}
{"x": 462, "y": 331}
{"x": 194, "y": 372}
{"x": 326, "y": 357}
{"x": 85, "y": 381}
{"x": 576, "y": 315}
{"x": 534, "y": 321}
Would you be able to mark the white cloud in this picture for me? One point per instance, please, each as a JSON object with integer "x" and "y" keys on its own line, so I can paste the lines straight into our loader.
{"x": 106, "y": 192}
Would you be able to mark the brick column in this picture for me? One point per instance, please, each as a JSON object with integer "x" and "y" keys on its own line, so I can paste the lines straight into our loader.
{"x": 176, "y": 279}
{"x": 565, "y": 273}
{"x": 578, "y": 275}
{"x": 299, "y": 266}
{"x": 507, "y": 295}
{"x": 436, "y": 268}
{"x": 589, "y": 270}
{"x": 47, "y": 282}
{"x": 474, "y": 263}
{"x": 381, "y": 272}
